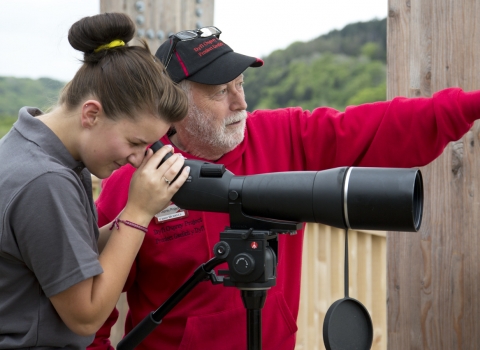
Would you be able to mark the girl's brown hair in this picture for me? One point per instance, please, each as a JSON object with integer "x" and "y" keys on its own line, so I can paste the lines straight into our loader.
{"x": 125, "y": 79}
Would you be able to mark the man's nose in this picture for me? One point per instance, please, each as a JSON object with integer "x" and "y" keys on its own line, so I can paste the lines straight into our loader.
{"x": 238, "y": 102}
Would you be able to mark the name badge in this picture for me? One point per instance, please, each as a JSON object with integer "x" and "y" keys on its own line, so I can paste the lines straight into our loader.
{"x": 172, "y": 212}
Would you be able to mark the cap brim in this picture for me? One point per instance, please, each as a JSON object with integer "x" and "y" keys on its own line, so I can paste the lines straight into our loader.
{"x": 225, "y": 69}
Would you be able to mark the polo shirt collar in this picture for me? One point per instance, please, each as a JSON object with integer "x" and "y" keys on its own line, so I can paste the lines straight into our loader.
{"x": 37, "y": 132}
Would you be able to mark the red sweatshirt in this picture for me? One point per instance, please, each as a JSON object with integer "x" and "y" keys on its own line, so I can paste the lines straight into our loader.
{"x": 398, "y": 133}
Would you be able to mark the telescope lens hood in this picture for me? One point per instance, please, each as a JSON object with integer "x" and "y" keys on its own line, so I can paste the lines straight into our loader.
{"x": 388, "y": 199}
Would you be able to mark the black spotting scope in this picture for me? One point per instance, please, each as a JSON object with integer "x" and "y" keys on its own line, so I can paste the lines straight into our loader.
{"x": 389, "y": 199}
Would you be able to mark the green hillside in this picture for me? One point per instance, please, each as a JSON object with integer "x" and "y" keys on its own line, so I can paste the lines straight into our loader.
{"x": 18, "y": 92}
{"x": 341, "y": 68}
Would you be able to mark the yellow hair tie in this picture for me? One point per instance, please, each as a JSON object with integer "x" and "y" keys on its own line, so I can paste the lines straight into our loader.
{"x": 110, "y": 45}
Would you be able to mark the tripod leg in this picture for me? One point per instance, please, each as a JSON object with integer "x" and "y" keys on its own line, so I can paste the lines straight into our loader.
{"x": 254, "y": 329}
{"x": 254, "y": 301}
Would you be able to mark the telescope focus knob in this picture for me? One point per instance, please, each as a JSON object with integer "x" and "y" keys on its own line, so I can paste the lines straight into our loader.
{"x": 243, "y": 264}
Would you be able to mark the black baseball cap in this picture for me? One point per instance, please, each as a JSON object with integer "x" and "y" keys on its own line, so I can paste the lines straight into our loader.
{"x": 205, "y": 60}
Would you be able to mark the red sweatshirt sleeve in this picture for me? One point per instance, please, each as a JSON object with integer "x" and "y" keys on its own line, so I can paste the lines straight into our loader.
{"x": 403, "y": 132}
{"x": 416, "y": 130}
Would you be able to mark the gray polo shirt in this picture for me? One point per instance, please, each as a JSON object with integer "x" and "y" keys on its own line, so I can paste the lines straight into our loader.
{"x": 48, "y": 234}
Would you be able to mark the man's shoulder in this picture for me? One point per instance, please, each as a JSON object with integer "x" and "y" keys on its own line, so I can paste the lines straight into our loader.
{"x": 269, "y": 118}
{"x": 278, "y": 112}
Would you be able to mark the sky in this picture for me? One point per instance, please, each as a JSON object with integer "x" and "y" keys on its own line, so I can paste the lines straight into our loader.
{"x": 33, "y": 33}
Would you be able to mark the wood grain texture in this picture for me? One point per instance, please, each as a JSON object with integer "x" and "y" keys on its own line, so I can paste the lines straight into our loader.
{"x": 323, "y": 281}
{"x": 432, "y": 275}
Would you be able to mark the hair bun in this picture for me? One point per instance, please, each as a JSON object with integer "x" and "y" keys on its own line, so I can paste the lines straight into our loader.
{"x": 91, "y": 32}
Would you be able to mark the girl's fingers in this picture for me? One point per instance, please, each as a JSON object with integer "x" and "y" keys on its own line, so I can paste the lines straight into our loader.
{"x": 171, "y": 170}
{"x": 180, "y": 180}
{"x": 153, "y": 160}
{"x": 152, "y": 188}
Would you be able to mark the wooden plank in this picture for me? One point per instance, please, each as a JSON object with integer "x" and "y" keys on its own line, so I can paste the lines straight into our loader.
{"x": 379, "y": 292}
{"x": 433, "y": 299}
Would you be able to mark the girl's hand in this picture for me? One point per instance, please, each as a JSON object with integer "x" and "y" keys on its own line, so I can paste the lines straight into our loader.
{"x": 151, "y": 189}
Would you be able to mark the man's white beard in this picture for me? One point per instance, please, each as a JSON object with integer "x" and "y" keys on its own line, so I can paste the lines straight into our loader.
{"x": 206, "y": 133}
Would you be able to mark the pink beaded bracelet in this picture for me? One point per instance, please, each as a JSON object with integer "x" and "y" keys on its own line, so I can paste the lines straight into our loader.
{"x": 128, "y": 223}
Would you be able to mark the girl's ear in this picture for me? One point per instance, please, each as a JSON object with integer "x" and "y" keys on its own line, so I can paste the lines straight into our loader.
{"x": 91, "y": 110}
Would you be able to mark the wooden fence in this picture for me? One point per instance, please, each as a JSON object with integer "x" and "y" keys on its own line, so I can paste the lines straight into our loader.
{"x": 323, "y": 280}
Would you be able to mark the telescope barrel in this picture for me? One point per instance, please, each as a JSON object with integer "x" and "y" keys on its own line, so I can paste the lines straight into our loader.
{"x": 357, "y": 198}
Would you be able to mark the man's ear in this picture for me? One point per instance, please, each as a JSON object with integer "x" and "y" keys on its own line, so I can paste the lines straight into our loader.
{"x": 91, "y": 110}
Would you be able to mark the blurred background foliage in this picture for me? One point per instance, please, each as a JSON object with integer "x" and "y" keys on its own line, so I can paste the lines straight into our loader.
{"x": 18, "y": 92}
{"x": 344, "y": 67}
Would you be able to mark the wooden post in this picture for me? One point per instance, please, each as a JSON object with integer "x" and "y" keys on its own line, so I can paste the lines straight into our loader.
{"x": 433, "y": 278}
{"x": 157, "y": 19}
